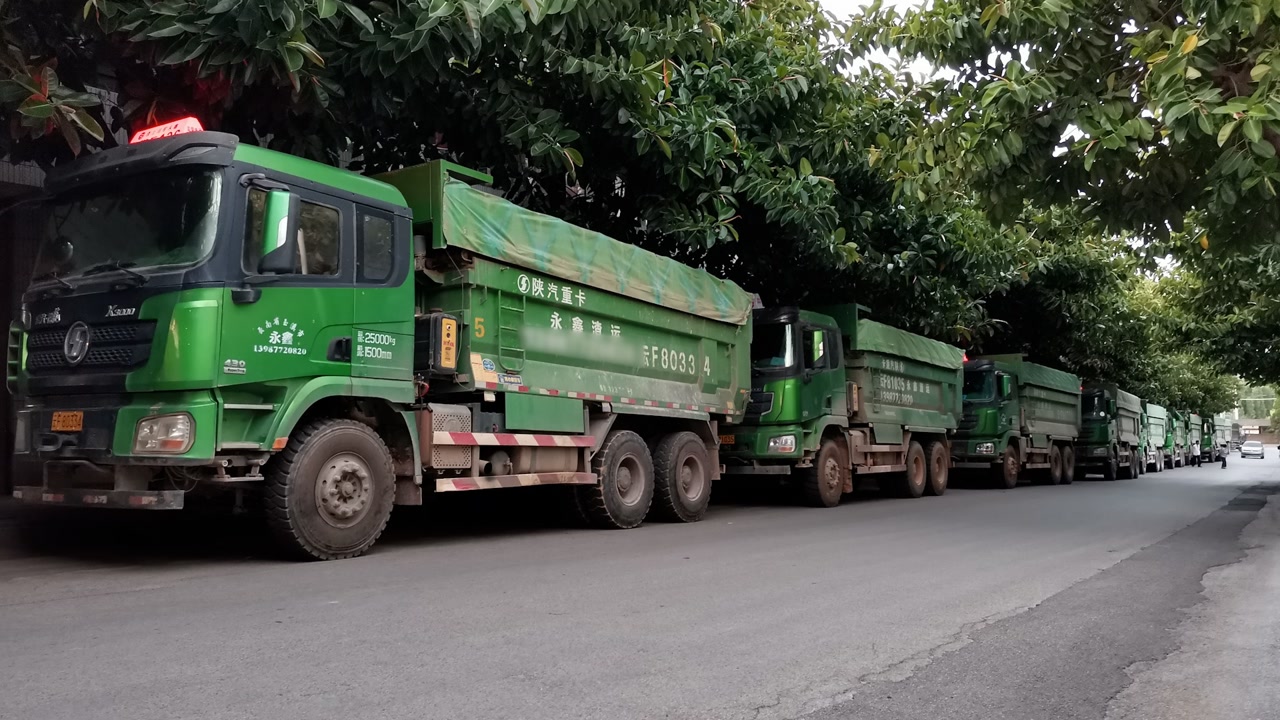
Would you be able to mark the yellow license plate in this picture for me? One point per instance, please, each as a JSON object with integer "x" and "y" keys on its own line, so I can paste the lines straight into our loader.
{"x": 67, "y": 422}
{"x": 727, "y": 439}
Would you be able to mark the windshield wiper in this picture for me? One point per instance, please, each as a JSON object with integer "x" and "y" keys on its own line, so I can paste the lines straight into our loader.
{"x": 112, "y": 265}
{"x": 53, "y": 275}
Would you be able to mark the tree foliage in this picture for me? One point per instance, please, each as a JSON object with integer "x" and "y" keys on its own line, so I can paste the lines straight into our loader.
{"x": 1158, "y": 117}
{"x": 729, "y": 135}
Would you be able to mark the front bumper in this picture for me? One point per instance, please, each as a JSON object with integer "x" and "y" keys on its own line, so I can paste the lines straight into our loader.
{"x": 1088, "y": 456}
{"x": 745, "y": 444}
{"x": 108, "y": 427}
{"x": 976, "y": 453}
{"x": 123, "y": 499}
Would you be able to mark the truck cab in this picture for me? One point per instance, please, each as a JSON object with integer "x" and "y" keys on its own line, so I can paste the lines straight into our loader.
{"x": 797, "y": 385}
{"x": 991, "y": 411}
{"x": 192, "y": 298}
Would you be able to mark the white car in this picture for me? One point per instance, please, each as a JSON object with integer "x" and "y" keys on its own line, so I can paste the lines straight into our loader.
{"x": 1252, "y": 448}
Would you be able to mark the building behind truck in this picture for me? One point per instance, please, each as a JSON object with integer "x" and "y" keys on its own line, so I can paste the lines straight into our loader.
{"x": 1018, "y": 417}
{"x": 1109, "y": 442}
{"x": 838, "y": 400}
{"x": 211, "y": 316}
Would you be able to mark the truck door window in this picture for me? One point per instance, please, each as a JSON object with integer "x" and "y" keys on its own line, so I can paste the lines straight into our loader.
{"x": 376, "y": 250}
{"x": 319, "y": 236}
{"x": 815, "y": 350}
{"x": 319, "y": 239}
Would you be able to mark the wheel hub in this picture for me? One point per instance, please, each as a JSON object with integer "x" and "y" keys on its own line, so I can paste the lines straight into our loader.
{"x": 343, "y": 490}
{"x": 831, "y": 473}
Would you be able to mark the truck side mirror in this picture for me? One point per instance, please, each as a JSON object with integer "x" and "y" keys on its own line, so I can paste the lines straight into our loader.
{"x": 279, "y": 239}
{"x": 1006, "y": 386}
{"x": 1111, "y": 406}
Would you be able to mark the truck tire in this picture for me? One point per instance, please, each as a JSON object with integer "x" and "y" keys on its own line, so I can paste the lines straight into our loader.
{"x": 682, "y": 483}
{"x": 823, "y": 483}
{"x": 1005, "y": 473}
{"x": 328, "y": 494}
{"x": 1140, "y": 461}
{"x": 623, "y": 491}
{"x": 1130, "y": 472}
{"x": 1055, "y": 465}
{"x": 1111, "y": 470}
{"x": 916, "y": 477}
{"x": 1068, "y": 464}
{"x": 939, "y": 467}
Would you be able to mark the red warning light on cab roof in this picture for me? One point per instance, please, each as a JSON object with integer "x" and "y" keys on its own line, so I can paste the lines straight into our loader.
{"x": 169, "y": 129}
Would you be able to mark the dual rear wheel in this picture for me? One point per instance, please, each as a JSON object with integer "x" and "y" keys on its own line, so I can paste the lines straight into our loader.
{"x": 672, "y": 481}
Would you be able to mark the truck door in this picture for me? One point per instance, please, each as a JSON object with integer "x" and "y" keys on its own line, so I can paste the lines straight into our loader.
{"x": 292, "y": 325}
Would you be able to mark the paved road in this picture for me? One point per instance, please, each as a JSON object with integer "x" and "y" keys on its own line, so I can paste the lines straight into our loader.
{"x": 1041, "y": 602}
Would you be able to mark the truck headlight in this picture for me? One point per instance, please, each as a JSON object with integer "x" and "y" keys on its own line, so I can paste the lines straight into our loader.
{"x": 782, "y": 444}
{"x": 985, "y": 448}
{"x": 164, "y": 434}
{"x": 1100, "y": 451}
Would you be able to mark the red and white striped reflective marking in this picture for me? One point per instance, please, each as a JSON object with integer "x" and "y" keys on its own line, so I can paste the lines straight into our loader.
{"x": 509, "y": 481}
{"x": 441, "y": 437}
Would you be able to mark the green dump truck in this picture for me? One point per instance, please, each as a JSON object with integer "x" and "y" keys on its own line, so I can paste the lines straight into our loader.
{"x": 1195, "y": 435}
{"x": 1157, "y": 434}
{"x": 210, "y": 315}
{"x": 1208, "y": 440}
{"x": 1176, "y": 444}
{"x": 1109, "y": 443}
{"x": 1018, "y": 416}
{"x": 836, "y": 399}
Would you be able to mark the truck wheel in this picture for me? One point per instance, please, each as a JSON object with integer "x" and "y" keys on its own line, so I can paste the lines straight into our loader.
{"x": 1005, "y": 474}
{"x": 328, "y": 494}
{"x": 624, "y": 486}
{"x": 823, "y": 483}
{"x": 1111, "y": 470}
{"x": 939, "y": 467}
{"x": 1055, "y": 465}
{"x": 913, "y": 482}
{"x": 1068, "y": 465}
{"x": 1130, "y": 472}
{"x": 682, "y": 485}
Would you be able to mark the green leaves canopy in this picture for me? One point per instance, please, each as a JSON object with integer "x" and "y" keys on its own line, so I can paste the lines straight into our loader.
{"x": 726, "y": 134}
{"x": 1157, "y": 118}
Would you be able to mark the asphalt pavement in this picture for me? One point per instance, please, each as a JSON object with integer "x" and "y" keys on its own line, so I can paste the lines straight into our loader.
{"x": 1092, "y": 600}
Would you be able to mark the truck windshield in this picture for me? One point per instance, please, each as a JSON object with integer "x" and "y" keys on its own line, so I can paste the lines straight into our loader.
{"x": 772, "y": 347}
{"x": 979, "y": 386}
{"x": 1093, "y": 405}
{"x": 155, "y": 220}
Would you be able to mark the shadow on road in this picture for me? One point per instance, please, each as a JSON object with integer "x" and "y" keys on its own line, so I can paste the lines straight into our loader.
{"x": 214, "y": 533}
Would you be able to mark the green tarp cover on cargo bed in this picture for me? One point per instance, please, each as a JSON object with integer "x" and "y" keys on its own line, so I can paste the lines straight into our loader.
{"x": 1033, "y": 374}
{"x": 1125, "y": 400}
{"x": 879, "y": 338}
{"x": 496, "y": 228}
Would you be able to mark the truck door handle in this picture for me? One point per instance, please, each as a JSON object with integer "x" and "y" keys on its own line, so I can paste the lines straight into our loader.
{"x": 340, "y": 349}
